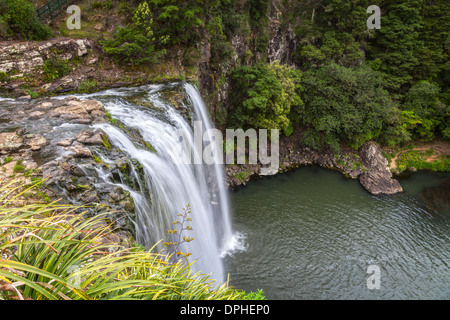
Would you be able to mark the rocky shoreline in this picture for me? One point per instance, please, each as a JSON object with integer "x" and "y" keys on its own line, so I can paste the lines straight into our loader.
{"x": 368, "y": 165}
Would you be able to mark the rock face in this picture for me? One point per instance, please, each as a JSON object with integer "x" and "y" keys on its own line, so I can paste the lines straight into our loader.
{"x": 378, "y": 179}
{"x": 369, "y": 166}
{"x": 54, "y": 140}
{"x": 25, "y": 57}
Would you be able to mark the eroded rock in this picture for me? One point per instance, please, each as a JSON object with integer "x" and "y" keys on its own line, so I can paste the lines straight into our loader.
{"x": 79, "y": 150}
{"x": 378, "y": 178}
{"x": 9, "y": 142}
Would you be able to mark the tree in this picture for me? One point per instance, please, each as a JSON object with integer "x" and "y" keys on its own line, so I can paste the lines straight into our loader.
{"x": 346, "y": 105}
{"x": 263, "y": 95}
{"x": 179, "y": 20}
{"x": 397, "y": 43}
{"x": 136, "y": 44}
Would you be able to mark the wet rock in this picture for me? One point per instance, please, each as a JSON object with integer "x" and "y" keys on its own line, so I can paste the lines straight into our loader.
{"x": 76, "y": 111}
{"x": 9, "y": 142}
{"x": 24, "y": 98}
{"x": 378, "y": 178}
{"x": 36, "y": 142}
{"x": 65, "y": 142}
{"x": 79, "y": 150}
{"x": 36, "y": 115}
{"x": 45, "y": 105}
{"x": 90, "y": 137}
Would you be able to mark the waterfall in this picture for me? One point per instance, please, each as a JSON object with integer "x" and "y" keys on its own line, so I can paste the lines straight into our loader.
{"x": 167, "y": 186}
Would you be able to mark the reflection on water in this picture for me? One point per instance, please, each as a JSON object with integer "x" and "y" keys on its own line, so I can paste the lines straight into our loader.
{"x": 312, "y": 234}
{"x": 437, "y": 198}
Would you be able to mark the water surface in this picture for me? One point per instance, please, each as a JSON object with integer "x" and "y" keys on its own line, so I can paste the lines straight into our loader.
{"x": 312, "y": 234}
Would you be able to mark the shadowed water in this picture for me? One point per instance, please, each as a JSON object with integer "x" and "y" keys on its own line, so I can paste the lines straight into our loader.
{"x": 312, "y": 234}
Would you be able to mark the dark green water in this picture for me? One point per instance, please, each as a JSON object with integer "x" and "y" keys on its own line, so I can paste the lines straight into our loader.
{"x": 312, "y": 234}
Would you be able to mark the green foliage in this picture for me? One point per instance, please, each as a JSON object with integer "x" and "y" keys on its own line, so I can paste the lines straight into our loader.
{"x": 7, "y": 160}
{"x": 346, "y": 105}
{"x": 19, "y": 167}
{"x": 417, "y": 159}
{"x": 18, "y": 20}
{"x": 88, "y": 85}
{"x": 52, "y": 252}
{"x": 32, "y": 94}
{"x": 331, "y": 31}
{"x": 136, "y": 44}
{"x": 258, "y": 295}
{"x": 426, "y": 112}
{"x": 179, "y": 21}
{"x": 55, "y": 68}
{"x": 263, "y": 96}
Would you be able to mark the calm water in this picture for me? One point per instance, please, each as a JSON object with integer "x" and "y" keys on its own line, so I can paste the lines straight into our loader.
{"x": 312, "y": 234}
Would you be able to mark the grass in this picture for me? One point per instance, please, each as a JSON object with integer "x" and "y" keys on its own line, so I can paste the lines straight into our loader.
{"x": 53, "y": 252}
{"x": 18, "y": 168}
{"x": 7, "y": 160}
{"x": 417, "y": 159}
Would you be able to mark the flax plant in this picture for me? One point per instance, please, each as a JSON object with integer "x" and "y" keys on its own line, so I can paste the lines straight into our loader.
{"x": 54, "y": 252}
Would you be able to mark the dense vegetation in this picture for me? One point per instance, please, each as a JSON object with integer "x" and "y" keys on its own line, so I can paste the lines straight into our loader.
{"x": 53, "y": 252}
{"x": 351, "y": 84}
{"x": 18, "y": 20}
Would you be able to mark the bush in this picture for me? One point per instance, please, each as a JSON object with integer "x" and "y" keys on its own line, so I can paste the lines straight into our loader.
{"x": 135, "y": 44}
{"x": 262, "y": 96}
{"x": 347, "y": 105}
{"x": 55, "y": 68}
{"x": 18, "y": 19}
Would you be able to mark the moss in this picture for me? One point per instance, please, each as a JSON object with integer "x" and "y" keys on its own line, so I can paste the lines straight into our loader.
{"x": 7, "y": 160}
{"x": 150, "y": 147}
{"x": 106, "y": 142}
{"x": 97, "y": 159}
{"x": 18, "y": 168}
{"x": 83, "y": 187}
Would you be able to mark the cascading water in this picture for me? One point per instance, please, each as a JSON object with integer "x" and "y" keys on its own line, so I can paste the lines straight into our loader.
{"x": 167, "y": 186}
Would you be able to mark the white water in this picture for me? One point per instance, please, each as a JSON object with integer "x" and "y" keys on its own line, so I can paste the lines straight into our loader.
{"x": 168, "y": 186}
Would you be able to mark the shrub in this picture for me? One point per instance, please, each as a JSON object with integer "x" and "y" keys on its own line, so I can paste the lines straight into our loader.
{"x": 263, "y": 96}
{"x": 18, "y": 19}
{"x": 55, "y": 68}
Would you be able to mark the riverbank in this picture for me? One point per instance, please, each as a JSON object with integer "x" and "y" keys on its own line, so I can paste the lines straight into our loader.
{"x": 368, "y": 165}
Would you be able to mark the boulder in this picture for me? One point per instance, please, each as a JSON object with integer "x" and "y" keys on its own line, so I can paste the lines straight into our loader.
{"x": 36, "y": 142}
{"x": 10, "y": 141}
{"x": 79, "y": 150}
{"x": 90, "y": 137}
{"x": 378, "y": 178}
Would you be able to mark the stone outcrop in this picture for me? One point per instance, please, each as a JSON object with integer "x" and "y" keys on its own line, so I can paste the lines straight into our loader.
{"x": 9, "y": 142}
{"x": 53, "y": 139}
{"x": 368, "y": 165}
{"x": 378, "y": 179}
{"x": 25, "y": 57}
